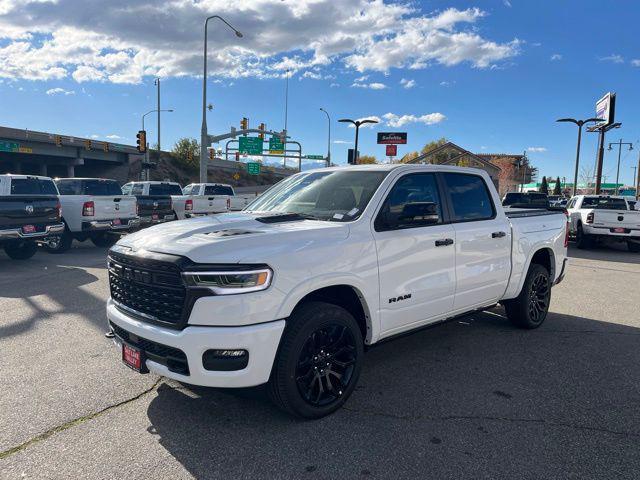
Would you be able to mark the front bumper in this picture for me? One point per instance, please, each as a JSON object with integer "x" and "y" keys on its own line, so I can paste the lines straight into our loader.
{"x": 18, "y": 234}
{"x": 149, "y": 220}
{"x": 260, "y": 340}
{"x": 102, "y": 225}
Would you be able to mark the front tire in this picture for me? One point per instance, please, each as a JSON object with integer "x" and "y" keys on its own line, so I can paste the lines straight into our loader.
{"x": 22, "y": 250}
{"x": 318, "y": 362}
{"x": 529, "y": 309}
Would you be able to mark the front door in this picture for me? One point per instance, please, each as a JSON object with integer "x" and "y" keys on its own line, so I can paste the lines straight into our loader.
{"x": 416, "y": 255}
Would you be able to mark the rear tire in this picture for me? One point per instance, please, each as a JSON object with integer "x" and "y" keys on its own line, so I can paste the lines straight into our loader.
{"x": 529, "y": 309}
{"x": 318, "y": 361}
{"x": 633, "y": 246}
{"x": 103, "y": 239}
{"x": 22, "y": 250}
{"x": 582, "y": 239}
{"x": 59, "y": 243}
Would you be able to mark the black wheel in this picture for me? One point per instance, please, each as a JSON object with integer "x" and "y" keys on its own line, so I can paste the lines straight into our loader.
{"x": 21, "y": 250}
{"x": 529, "y": 309}
{"x": 633, "y": 246}
{"x": 318, "y": 362}
{"x": 104, "y": 239}
{"x": 582, "y": 239}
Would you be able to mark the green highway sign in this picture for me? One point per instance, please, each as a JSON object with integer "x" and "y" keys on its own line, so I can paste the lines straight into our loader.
{"x": 251, "y": 145}
{"x": 314, "y": 157}
{"x": 8, "y": 146}
{"x": 253, "y": 168}
{"x": 276, "y": 146}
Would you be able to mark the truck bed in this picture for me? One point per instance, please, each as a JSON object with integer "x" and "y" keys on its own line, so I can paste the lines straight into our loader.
{"x": 530, "y": 212}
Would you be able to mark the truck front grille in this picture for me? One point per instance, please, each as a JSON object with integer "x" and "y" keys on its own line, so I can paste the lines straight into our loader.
{"x": 151, "y": 289}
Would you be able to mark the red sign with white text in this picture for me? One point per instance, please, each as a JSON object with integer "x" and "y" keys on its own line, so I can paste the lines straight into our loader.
{"x": 392, "y": 150}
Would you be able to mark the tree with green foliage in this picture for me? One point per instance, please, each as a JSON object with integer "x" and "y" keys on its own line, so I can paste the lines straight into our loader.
{"x": 557, "y": 190}
{"x": 544, "y": 186}
{"x": 187, "y": 153}
{"x": 367, "y": 160}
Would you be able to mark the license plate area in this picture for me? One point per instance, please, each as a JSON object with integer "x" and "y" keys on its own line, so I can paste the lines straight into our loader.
{"x": 28, "y": 229}
{"x": 133, "y": 358}
{"x": 155, "y": 216}
{"x": 116, "y": 222}
{"x": 619, "y": 230}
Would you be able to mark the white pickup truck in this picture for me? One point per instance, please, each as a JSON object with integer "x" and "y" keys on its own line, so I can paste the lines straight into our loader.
{"x": 603, "y": 218}
{"x": 291, "y": 290}
{"x": 201, "y": 199}
{"x": 92, "y": 209}
{"x": 154, "y": 200}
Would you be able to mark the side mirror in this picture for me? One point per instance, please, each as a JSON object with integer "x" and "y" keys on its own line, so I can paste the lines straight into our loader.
{"x": 419, "y": 213}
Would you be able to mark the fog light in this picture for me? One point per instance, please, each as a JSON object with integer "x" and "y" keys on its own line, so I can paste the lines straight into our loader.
{"x": 225, "y": 360}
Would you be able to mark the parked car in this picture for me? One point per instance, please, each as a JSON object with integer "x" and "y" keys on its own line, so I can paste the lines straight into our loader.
{"x": 154, "y": 199}
{"x": 93, "y": 209}
{"x": 603, "y": 218}
{"x": 202, "y": 199}
{"x": 29, "y": 212}
{"x": 290, "y": 290}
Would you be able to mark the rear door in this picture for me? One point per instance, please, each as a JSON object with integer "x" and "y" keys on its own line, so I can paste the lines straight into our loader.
{"x": 416, "y": 255}
{"x": 483, "y": 241}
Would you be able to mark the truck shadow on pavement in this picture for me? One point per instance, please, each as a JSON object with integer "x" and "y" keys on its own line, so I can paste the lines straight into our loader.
{"x": 470, "y": 398}
{"x": 606, "y": 253}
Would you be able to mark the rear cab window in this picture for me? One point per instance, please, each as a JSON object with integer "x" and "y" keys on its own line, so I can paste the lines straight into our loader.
{"x": 604, "y": 203}
{"x": 33, "y": 186}
{"x": 218, "y": 190}
{"x": 469, "y": 197}
{"x": 100, "y": 187}
{"x": 165, "y": 189}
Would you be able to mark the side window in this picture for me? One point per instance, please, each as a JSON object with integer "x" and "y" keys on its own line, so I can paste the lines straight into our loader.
{"x": 137, "y": 189}
{"x": 571, "y": 203}
{"x": 413, "y": 202}
{"x": 469, "y": 197}
{"x": 188, "y": 190}
{"x": 126, "y": 189}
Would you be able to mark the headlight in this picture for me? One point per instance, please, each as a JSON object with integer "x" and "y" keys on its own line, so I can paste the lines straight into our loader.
{"x": 230, "y": 283}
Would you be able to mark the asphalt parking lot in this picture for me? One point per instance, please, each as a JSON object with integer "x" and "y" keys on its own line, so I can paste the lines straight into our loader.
{"x": 474, "y": 398}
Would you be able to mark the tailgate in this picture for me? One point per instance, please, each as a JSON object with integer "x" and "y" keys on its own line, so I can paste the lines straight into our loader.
{"x": 19, "y": 210}
{"x": 119, "y": 206}
{"x": 160, "y": 204}
{"x": 616, "y": 219}
{"x": 210, "y": 204}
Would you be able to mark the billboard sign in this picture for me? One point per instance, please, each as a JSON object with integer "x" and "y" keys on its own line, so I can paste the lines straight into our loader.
{"x": 605, "y": 109}
{"x": 392, "y": 138}
{"x": 392, "y": 150}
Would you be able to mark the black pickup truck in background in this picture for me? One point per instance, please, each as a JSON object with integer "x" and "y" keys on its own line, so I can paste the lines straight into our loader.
{"x": 155, "y": 204}
{"x": 29, "y": 213}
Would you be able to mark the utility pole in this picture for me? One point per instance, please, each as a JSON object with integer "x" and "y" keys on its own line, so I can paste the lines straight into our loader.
{"x": 637, "y": 175}
{"x": 204, "y": 135}
{"x": 157, "y": 83}
{"x": 286, "y": 100}
{"x": 620, "y": 143}
{"x": 329, "y": 138}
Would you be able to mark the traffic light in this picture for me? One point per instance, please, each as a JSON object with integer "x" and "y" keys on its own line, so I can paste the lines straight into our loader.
{"x": 105, "y": 146}
{"x": 141, "y": 141}
{"x": 212, "y": 154}
{"x": 244, "y": 124}
{"x": 58, "y": 140}
{"x": 261, "y": 127}
{"x": 87, "y": 144}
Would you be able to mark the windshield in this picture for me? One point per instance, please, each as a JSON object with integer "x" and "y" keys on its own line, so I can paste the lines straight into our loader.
{"x": 165, "y": 189}
{"x": 33, "y": 186}
{"x": 604, "y": 203}
{"x": 338, "y": 196}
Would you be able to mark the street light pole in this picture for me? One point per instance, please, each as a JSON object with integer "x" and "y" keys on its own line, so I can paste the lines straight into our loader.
{"x": 579, "y": 123}
{"x": 620, "y": 143}
{"x": 357, "y": 124}
{"x": 157, "y": 83}
{"x": 204, "y": 135}
{"x": 286, "y": 100}
{"x": 328, "y": 138}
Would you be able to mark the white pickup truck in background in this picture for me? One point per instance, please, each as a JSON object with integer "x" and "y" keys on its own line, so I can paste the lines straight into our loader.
{"x": 201, "y": 199}
{"x": 154, "y": 200}
{"x": 93, "y": 209}
{"x": 603, "y": 218}
{"x": 329, "y": 261}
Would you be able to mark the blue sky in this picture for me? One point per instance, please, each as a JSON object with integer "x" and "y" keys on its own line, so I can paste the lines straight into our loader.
{"x": 490, "y": 75}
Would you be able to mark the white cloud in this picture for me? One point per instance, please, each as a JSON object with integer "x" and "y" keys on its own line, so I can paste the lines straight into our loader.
{"x": 114, "y": 137}
{"x": 506, "y": 3}
{"x": 407, "y": 83}
{"x": 311, "y": 75}
{"x": 334, "y": 85}
{"x": 394, "y": 120}
{"x": 372, "y": 86}
{"x": 340, "y": 142}
{"x": 51, "y": 39}
{"x": 537, "y": 149}
{"x": 635, "y": 62}
{"x": 556, "y": 57}
{"x": 363, "y": 78}
{"x": 60, "y": 91}
{"x": 445, "y": 83}
{"x": 367, "y": 125}
{"x": 613, "y": 58}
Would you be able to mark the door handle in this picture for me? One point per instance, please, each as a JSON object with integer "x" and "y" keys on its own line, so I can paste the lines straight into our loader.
{"x": 498, "y": 234}
{"x": 444, "y": 242}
